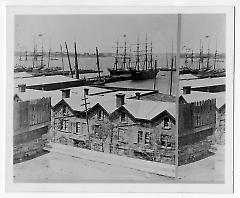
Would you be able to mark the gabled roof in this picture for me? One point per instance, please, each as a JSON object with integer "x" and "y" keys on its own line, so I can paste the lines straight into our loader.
{"x": 148, "y": 110}
{"x": 76, "y": 103}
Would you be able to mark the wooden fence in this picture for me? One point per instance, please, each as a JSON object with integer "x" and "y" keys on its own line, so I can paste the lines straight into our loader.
{"x": 30, "y": 113}
{"x": 195, "y": 115}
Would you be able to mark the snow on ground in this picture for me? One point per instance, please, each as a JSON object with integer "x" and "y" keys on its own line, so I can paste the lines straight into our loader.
{"x": 208, "y": 170}
{"x": 42, "y": 169}
{"x": 54, "y": 167}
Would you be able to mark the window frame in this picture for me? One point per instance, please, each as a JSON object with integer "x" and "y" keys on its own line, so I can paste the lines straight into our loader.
{"x": 148, "y": 139}
{"x": 78, "y": 128}
{"x": 167, "y": 126}
{"x": 100, "y": 114}
{"x": 166, "y": 140}
{"x": 138, "y": 137}
{"x": 121, "y": 117}
{"x": 65, "y": 125}
{"x": 64, "y": 110}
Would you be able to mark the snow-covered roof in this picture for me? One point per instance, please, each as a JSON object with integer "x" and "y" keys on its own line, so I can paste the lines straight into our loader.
{"x": 22, "y": 75}
{"x": 128, "y": 94}
{"x": 144, "y": 109}
{"x": 204, "y": 82}
{"x": 187, "y": 77}
{"x": 195, "y": 96}
{"x": 77, "y": 103}
{"x": 41, "y": 80}
{"x": 56, "y": 95}
{"x": 31, "y": 94}
{"x": 92, "y": 90}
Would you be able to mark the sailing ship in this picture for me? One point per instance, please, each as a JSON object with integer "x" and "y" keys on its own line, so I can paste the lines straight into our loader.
{"x": 122, "y": 61}
{"x": 144, "y": 69}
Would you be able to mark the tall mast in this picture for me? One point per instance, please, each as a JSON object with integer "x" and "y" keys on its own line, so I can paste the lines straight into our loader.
{"x": 76, "y": 61}
{"x": 192, "y": 58}
{"x": 98, "y": 67}
{"x": 33, "y": 53}
{"x": 186, "y": 58}
{"x": 116, "y": 58}
{"x": 36, "y": 52}
{"x": 175, "y": 63}
{"x": 137, "y": 57}
{"x": 129, "y": 59}
{"x": 62, "y": 57}
{"x": 42, "y": 56}
{"x": 146, "y": 54}
{"x": 26, "y": 55}
{"x": 171, "y": 76}
{"x": 208, "y": 54}
{"x": 167, "y": 58}
{"x": 49, "y": 56}
{"x": 155, "y": 79}
{"x": 20, "y": 58}
{"x": 49, "y": 52}
{"x": 215, "y": 57}
{"x": 69, "y": 62}
{"x": 125, "y": 52}
{"x": 151, "y": 56}
{"x": 200, "y": 55}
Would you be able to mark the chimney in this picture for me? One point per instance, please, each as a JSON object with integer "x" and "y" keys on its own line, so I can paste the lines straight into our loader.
{"x": 187, "y": 90}
{"x": 86, "y": 91}
{"x": 120, "y": 99}
{"x": 65, "y": 93}
{"x": 22, "y": 87}
{"x": 137, "y": 95}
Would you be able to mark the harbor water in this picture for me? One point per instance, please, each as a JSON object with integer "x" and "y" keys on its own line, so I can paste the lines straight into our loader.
{"x": 163, "y": 79}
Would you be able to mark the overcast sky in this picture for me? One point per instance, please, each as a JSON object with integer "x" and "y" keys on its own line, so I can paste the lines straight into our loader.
{"x": 103, "y": 31}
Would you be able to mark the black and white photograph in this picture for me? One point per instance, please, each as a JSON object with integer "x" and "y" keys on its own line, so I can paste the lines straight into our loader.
{"x": 129, "y": 97}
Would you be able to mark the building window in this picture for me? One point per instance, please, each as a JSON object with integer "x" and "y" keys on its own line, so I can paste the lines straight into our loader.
{"x": 64, "y": 110}
{"x": 96, "y": 129}
{"x": 166, "y": 123}
{"x": 60, "y": 126}
{"x": 65, "y": 125}
{"x": 121, "y": 135}
{"x": 78, "y": 127}
{"x": 166, "y": 141}
{"x": 123, "y": 117}
{"x": 147, "y": 138}
{"x": 140, "y": 136}
{"x": 84, "y": 128}
{"x": 100, "y": 114}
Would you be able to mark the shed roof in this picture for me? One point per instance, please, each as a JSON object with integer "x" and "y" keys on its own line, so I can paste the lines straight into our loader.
{"x": 203, "y": 82}
{"x": 22, "y": 75}
{"x": 187, "y": 77}
{"x": 43, "y": 80}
